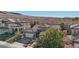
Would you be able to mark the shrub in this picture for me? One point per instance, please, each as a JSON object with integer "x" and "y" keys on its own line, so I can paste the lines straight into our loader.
{"x": 52, "y": 38}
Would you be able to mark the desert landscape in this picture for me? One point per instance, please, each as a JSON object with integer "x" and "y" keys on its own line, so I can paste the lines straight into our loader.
{"x": 27, "y": 31}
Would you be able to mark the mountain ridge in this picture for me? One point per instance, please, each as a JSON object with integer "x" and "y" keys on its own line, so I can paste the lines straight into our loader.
{"x": 40, "y": 19}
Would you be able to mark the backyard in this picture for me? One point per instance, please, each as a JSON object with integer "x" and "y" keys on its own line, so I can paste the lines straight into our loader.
{"x": 6, "y": 35}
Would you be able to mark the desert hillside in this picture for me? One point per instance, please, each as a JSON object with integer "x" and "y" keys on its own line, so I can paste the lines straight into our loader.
{"x": 41, "y": 20}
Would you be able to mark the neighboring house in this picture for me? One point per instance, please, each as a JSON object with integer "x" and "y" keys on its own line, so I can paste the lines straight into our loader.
{"x": 39, "y": 28}
{"x": 55, "y": 26}
{"x": 19, "y": 25}
{"x": 27, "y": 38}
{"x": 35, "y": 28}
{"x": 47, "y": 26}
{"x": 67, "y": 27}
{"x": 3, "y": 27}
{"x": 75, "y": 34}
{"x": 2, "y": 23}
{"x": 3, "y": 30}
{"x": 15, "y": 24}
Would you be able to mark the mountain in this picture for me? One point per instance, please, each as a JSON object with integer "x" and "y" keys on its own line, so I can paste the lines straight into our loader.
{"x": 4, "y": 12}
{"x": 41, "y": 20}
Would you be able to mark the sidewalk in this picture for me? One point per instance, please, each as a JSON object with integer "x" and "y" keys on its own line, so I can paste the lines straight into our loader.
{"x": 8, "y": 45}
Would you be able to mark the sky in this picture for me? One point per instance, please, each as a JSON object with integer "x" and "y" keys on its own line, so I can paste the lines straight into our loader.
{"x": 51, "y": 13}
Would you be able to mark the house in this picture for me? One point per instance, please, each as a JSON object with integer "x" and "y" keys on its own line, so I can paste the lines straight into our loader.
{"x": 28, "y": 37}
{"x": 75, "y": 34}
{"x": 3, "y": 23}
{"x": 15, "y": 24}
{"x": 54, "y": 26}
{"x": 19, "y": 25}
{"x": 3, "y": 27}
{"x": 67, "y": 28}
{"x": 39, "y": 28}
{"x": 3, "y": 30}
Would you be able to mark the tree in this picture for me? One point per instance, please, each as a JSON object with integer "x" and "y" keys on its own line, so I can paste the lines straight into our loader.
{"x": 75, "y": 19}
{"x": 52, "y": 38}
{"x": 62, "y": 26}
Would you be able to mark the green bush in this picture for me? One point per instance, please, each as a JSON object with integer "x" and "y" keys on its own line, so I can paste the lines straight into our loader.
{"x": 62, "y": 26}
{"x": 52, "y": 38}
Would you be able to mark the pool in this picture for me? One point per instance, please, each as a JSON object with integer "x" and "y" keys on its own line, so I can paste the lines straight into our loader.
{"x": 25, "y": 40}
